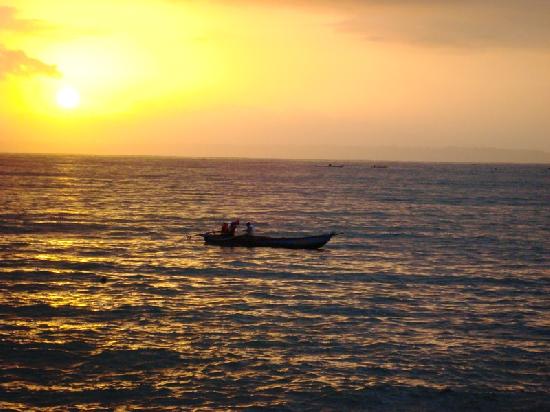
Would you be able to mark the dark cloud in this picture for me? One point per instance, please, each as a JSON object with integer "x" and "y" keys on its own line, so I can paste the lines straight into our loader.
{"x": 444, "y": 23}
{"x": 467, "y": 24}
{"x": 17, "y": 62}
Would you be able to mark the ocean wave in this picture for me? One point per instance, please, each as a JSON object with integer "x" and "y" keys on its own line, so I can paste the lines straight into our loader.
{"x": 433, "y": 297}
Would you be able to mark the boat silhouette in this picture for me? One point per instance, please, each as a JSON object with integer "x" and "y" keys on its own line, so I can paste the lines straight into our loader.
{"x": 306, "y": 242}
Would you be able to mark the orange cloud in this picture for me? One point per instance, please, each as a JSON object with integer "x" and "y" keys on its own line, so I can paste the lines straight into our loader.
{"x": 10, "y": 22}
{"x": 16, "y": 62}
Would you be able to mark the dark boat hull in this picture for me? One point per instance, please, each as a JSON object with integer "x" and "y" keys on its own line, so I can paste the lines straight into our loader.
{"x": 308, "y": 242}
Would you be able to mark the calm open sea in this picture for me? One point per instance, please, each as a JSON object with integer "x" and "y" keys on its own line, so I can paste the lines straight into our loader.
{"x": 435, "y": 296}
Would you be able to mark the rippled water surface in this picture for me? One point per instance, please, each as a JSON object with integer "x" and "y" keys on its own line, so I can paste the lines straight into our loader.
{"x": 434, "y": 297}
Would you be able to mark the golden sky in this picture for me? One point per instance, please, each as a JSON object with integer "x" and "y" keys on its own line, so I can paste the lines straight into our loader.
{"x": 283, "y": 78}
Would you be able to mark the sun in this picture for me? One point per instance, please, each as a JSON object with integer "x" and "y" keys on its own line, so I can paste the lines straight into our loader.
{"x": 68, "y": 97}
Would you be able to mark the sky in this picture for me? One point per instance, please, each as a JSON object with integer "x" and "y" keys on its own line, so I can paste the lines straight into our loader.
{"x": 401, "y": 79}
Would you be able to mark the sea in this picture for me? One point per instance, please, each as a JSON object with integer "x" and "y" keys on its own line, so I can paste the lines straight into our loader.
{"x": 433, "y": 296}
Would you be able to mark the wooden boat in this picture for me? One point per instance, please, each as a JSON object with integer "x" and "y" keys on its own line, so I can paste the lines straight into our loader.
{"x": 308, "y": 242}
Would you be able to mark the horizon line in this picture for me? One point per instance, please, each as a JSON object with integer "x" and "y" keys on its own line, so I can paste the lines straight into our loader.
{"x": 297, "y": 159}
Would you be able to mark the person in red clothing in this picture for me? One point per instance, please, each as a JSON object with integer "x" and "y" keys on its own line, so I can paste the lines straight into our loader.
{"x": 225, "y": 228}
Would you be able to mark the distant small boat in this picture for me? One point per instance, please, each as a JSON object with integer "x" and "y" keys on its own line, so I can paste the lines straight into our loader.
{"x": 331, "y": 165}
{"x": 379, "y": 166}
{"x": 307, "y": 242}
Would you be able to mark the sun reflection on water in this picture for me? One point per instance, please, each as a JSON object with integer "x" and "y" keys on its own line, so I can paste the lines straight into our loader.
{"x": 102, "y": 290}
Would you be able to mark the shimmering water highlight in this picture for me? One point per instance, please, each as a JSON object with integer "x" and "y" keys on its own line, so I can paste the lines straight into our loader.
{"x": 434, "y": 297}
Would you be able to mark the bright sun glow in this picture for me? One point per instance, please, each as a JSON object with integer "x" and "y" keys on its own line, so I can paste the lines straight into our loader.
{"x": 68, "y": 97}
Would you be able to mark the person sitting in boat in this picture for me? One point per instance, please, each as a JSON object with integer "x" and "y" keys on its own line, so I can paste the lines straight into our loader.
{"x": 225, "y": 228}
{"x": 233, "y": 227}
{"x": 249, "y": 229}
